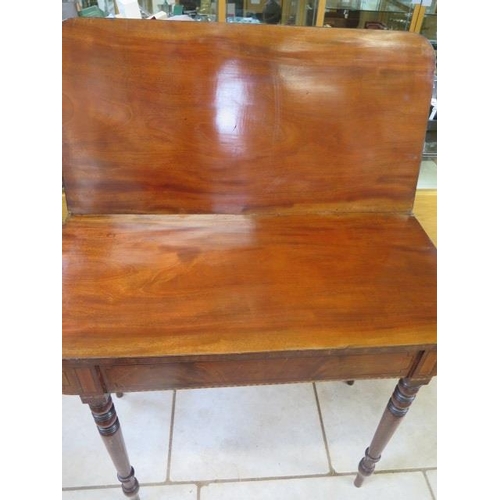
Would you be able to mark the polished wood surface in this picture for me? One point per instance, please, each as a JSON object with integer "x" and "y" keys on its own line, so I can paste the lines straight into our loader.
{"x": 227, "y": 118}
{"x": 94, "y": 376}
{"x": 108, "y": 425}
{"x": 424, "y": 209}
{"x": 240, "y": 211}
{"x": 306, "y": 270}
{"x": 162, "y": 285}
{"x": 403, "y": 396}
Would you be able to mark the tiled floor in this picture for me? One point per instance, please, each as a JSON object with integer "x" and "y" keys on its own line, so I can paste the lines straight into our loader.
{"x": 277, "y": 442}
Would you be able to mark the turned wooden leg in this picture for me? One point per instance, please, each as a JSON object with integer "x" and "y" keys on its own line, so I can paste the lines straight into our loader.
{"x": 396, "y": 409}
{"x": 108, "y": 425}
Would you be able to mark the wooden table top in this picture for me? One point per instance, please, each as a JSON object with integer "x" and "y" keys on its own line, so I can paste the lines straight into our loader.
{"x": 170, "y": 285}
{"x": 243, "y": 190}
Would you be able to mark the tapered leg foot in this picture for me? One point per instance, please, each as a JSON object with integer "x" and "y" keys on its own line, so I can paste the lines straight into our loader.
{"x": 108, "y": 425}
{"x": 396, "y": 409}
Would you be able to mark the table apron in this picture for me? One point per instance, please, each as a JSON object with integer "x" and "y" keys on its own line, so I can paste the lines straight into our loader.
{"x": 147, "y": 375}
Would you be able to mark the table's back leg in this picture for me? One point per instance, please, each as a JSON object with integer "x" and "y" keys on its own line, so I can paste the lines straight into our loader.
{"x": 397, "y": 407}
{"x": 106, "y": 419}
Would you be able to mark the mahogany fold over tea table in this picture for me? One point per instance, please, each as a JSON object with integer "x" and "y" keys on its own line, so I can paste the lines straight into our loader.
{"x": 240, "y": 203}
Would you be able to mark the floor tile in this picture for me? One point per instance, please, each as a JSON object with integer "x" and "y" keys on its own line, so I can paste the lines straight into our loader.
{"x": 178, "y": 492}
{"x": 432, "y": 477}
{"x": 352, "y": 413}
{"x": 393, "y": 486}
{"x": 145, "y": 423}
{"x": 246, "y": 432}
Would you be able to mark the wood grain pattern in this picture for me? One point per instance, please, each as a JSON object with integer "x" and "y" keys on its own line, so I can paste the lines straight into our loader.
{"x": 229, "y": 118}
{"x": 424, "y": 209}
{"x": 251, "y": 370}
{"x": 240, "y": 206}
{"x": 239, "y": 212}
{"x": 196, "y": 284}
{"x": 211, "y": 370}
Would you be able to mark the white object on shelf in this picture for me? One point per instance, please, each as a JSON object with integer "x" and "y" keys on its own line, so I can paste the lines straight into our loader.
{"x": 159, "y": 15}
{"x": 181, "y": 17}
{"x": 129, "y": 9}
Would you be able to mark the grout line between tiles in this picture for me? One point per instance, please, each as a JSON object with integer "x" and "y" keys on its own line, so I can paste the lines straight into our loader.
{"x": 171, "y": 437}
{"x": 204, "y": 483}
{"x": 323, "y": 431}
{"x": 201, "y": 483}
{"x": 208, "y": 482}
{"x": 262, "y": 479}
{"x": 88, "y": 488}
{"x": 428, "y": 483}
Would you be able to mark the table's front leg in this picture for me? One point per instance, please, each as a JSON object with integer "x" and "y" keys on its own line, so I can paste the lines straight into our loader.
{"x": 106, "y": 419}
{"x": 397, "y": 407}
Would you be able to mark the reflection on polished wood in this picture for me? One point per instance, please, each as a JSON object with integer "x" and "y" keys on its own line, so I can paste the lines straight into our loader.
{"x": 203, "y": 284}
{"x": 240, "y": 208}
{"x": 424, "y": 209}
{"x": 173, "y": 125}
